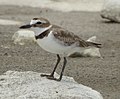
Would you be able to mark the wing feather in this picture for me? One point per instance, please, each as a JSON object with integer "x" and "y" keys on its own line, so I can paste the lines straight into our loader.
{"x": 68, "y": 38}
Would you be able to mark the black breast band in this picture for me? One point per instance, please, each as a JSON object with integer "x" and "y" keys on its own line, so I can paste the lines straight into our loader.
{"x": 42, "y": 35}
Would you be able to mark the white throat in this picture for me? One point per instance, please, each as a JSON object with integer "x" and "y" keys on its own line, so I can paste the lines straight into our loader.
{"x": 38, "y": 30}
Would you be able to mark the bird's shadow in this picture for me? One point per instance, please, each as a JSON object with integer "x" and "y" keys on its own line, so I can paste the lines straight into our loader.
{"x": 110, "y": 22}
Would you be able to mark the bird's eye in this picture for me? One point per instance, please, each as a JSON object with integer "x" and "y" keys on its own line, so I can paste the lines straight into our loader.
{"x": 38, "y": 23}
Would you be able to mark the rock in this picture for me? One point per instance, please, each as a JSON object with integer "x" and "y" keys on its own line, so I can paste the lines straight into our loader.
{"x": 23, "y": 36}
{"x": 29, "y": 85}
{"x": 87, "y": 52}
{"x": 111, "y": 10}
{"x": 91, "y": 52}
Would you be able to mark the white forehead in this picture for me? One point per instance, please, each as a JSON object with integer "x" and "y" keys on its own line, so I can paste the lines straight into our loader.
{"x": 35, "y": 21}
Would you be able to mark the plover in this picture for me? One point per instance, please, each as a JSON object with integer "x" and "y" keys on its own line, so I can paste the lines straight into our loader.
{"x": 57, "y": 40}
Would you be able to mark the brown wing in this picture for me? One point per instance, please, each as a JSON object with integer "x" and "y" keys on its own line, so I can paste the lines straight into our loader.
{"x": 67, "y": 37}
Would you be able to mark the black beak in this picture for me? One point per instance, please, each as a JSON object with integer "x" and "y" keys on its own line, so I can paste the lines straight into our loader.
{"x": 25, "y": 26}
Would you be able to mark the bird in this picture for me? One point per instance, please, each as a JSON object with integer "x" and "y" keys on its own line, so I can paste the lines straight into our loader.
{"x": 57, "y": 40}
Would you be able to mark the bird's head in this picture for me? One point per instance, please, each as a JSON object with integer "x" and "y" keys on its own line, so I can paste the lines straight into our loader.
{"x": 38, "y": 25}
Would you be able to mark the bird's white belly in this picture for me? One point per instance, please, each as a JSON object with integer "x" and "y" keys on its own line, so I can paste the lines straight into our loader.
{"x": 52, "y": 45}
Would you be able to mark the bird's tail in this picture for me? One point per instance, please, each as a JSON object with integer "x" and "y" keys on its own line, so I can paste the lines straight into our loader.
{"x": 94, "y": 44}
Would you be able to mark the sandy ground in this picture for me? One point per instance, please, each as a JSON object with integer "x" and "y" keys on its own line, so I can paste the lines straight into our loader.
{"x": 102, "y": 75}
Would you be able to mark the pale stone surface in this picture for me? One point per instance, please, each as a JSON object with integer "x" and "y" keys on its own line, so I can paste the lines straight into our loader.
{"x": 23, "y": 36}
{"x": 111, "y": 10}
{"x": 29, "y": 85}
{"x": 90, "y": 52}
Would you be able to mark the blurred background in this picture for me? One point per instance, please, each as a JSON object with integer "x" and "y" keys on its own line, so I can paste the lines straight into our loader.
{"x": 63, "y": 5}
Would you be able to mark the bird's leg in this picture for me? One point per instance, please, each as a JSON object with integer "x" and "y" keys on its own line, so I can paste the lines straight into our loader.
{"x": 58, "y": 60}
{"x": 51, "y": 76}
{"x": 61, "y": 74}
{"x": 63, "y": 68}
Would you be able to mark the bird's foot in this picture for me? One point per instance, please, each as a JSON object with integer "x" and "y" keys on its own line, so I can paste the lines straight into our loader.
{"x": 46, "y": 75}
{"x": 51, "y": 77}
